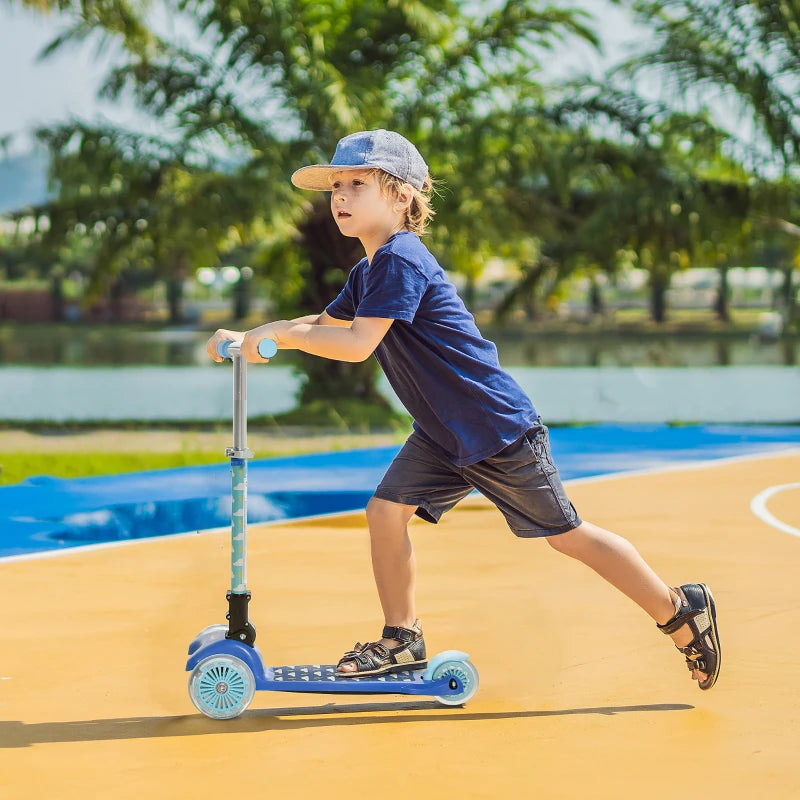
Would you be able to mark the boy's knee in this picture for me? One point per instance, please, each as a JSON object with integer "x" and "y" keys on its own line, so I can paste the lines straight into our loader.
{"x": 557, "y": 542}
{"x": 382, "y": 514}
{"x": 566, "y": 543}
{"x": 373, "y": 510}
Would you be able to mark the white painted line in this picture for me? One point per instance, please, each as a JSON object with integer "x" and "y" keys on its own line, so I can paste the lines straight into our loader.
{"x": 88, "y": 548}
{"x": 758, "y": 505}
{"x": 681, "y": 466}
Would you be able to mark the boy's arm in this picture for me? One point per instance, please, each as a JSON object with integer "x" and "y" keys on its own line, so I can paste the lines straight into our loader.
{"x": 332, "y": 338}
{"x": 323, "y": 319}
{"x": 223, "y": 335}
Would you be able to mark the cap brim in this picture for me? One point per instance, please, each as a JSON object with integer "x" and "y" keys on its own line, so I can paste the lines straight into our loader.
{"x": 317, "y": 177}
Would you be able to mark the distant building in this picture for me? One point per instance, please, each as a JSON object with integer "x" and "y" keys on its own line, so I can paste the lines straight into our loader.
{"x": 23, "y": 181}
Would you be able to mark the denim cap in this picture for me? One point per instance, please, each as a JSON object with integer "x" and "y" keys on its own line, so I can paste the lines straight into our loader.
{"x": 378, "y": 149}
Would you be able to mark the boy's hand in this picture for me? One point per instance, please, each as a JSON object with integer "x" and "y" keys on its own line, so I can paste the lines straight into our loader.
{"x": 253, "y": 337}
{"x": 221, "y": 336}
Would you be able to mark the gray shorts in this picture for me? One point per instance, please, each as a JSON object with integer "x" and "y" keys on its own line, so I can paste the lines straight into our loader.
{"x": 521, "y": 480}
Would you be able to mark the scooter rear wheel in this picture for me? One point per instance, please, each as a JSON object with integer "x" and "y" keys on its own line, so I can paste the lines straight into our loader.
{"x": 463, "y": 679}
{"x": 222, "y": 686}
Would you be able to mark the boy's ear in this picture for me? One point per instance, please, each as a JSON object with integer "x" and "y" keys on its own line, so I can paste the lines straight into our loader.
{"x": 405, "y": 194}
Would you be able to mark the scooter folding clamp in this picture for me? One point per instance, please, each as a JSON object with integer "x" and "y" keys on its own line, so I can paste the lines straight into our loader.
{"x": 232, "y": 452}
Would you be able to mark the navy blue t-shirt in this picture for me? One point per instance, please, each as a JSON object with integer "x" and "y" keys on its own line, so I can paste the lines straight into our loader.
{"x": 441, "y": 368}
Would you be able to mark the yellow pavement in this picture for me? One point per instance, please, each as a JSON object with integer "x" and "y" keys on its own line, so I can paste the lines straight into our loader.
{"x": 580, "y": 696}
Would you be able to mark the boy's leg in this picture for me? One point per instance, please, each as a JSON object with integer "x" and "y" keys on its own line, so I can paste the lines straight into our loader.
{"x": 393, "y": 564}
{"x": 524, "y": 484}
{"x": 618, "y": 561}
{"x": 419, "y": 480}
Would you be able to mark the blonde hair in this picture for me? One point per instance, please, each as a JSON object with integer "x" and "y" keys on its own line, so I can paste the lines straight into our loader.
{"x": 420, "y": 210}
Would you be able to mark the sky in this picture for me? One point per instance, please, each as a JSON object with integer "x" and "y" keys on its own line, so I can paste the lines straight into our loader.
{"x": 35, "y": 93}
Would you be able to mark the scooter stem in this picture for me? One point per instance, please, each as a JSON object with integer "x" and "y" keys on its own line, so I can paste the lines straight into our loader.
{"x": 239, "y": 626}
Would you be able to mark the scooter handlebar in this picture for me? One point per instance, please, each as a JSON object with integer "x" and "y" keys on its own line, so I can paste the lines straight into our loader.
{"x": 227, "y": 349}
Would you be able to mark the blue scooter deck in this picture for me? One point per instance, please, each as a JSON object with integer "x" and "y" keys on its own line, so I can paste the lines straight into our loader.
{"x": 323, "y": 678}
{"x": 327, "y": 672}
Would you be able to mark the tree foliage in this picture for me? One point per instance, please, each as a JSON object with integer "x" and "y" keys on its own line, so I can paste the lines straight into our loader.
{"x": 745, "y": 49}
{"x": 581, "y": 180}
{"x": 739, "y": 61}
{"x": 243, "y": 92}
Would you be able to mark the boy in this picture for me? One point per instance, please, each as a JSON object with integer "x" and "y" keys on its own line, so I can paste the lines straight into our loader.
{"x": 474, "y": 427}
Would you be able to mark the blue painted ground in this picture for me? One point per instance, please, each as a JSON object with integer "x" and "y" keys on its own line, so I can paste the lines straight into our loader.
{"x": 49, "y": 514}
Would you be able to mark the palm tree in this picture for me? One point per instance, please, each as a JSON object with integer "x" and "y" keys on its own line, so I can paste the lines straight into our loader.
{"x": 741, "y": 59}
{"x": 749, "y": 50}
{"x": 629, "y": 176}
{"x": 251, "y": 90}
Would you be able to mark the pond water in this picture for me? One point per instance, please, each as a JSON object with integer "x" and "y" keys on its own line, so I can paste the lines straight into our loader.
{"x": 82, "y": 347}
{"x": 114, "y": 375}
{"x": 645, "y": 350}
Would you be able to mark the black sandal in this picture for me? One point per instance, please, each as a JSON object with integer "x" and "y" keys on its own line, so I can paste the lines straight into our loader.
{"x": 374, "y": 658}
{"x": 695, "y": 608}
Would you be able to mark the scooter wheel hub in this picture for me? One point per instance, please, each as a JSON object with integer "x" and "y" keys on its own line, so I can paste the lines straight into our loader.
{"x": 222, "y": 686}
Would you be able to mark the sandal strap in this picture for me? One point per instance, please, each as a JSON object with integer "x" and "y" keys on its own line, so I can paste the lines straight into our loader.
{"x": 403, "y": 635}
{"x": 698, "y": 662}
{"x": 400, "y": 634}
{"x": 357, "y": 648}
{"x": 686, "y": 609}
{"x": 698, "y": 613}
{"x": 374, "y": 655}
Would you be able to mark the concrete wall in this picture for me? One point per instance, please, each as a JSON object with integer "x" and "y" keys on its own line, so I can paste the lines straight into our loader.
{"x": 562, "y": 395}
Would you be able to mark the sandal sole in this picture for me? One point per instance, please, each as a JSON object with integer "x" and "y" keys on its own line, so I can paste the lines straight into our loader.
{"x": 412, "y": 665}
{"x": 712, "y": 679}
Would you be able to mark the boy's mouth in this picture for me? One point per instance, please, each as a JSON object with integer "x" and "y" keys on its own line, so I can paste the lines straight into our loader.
{"x": 342, "y": 215}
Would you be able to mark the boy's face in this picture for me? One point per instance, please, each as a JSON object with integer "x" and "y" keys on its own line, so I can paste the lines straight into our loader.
{"x": 361, "y": 209}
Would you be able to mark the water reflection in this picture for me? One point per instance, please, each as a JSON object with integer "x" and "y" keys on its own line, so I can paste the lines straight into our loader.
{"x": 65, "y": 346}
{"x": 143, "y": 520}
{"x": 617, "y": 350}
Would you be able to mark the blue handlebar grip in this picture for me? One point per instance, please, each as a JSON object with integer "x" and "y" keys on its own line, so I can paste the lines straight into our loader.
{"x": 222, "y": 348}
{"x": 267, "y": 348}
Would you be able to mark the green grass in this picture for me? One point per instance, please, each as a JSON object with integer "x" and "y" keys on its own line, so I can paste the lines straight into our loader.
{"x": 15, "y": 467}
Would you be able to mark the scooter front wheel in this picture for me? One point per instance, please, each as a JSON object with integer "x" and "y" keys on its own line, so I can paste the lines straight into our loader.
{"x": 463, "y": 681}
{"x": 222, "y": 686}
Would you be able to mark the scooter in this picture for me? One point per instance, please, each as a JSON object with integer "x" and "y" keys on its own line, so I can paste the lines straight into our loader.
{"x": 227, "y": 667}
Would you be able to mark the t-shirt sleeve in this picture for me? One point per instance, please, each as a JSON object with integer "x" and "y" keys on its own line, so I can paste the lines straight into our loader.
{"x": 393, "y": 289}
{"x": 344, "y": 307}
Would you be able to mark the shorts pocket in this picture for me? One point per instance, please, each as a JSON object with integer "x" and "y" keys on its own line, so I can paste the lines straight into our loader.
{"x": 539, "y": 443}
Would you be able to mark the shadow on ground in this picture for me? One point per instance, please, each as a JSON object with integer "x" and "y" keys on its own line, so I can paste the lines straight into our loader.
{"x": 21, "y": 734}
